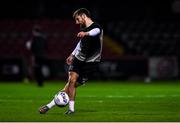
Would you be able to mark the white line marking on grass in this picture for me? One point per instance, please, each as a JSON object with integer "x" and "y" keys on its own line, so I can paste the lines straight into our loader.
{"x": 132, "y": 96}
{"x": 17, "y": 100}
{"x": 156, "y": 96}
{"x": 145, "y": 96}
{"x": 90, "y": 96}
{"x": 119, "y": 96}
{"x": 175, "y": 95}
{"x": 100, "y": 101}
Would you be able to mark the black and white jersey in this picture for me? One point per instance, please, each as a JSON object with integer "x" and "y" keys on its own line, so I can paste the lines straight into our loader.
{"x": 89, "y": 47}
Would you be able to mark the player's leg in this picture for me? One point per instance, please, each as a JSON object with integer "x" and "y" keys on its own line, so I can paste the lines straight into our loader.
{"x": 70, "y": 89}
{"x": 66, "y": 87}
{"x": 45, "y": 108}
{"x": 78, "y": 80}
{"x": 74, "y": 70}
{"x": 38, "y": 71}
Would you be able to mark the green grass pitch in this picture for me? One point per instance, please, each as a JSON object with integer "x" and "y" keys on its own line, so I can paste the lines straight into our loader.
{"x": 96, "y": 101}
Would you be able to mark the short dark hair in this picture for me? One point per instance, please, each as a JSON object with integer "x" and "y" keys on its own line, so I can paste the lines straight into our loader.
{"x": 81, "y": 11}
{"x": 36, "y": 28}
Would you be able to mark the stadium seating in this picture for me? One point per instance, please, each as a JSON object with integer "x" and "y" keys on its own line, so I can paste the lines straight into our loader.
{"x": 15, "y": 33}
{"x": 61, "y": 38}
{"x": 146, "y": 37}
{"x": 138, "y": 37}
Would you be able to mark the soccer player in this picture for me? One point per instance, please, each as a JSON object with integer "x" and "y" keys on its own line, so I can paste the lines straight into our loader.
{"x": 84, "y": 59}
{"x": 37, "y": 46}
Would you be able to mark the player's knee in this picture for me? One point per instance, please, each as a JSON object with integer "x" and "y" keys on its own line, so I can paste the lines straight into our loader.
{"x": 72, "y": 81}
{"x": 72, "y": 78}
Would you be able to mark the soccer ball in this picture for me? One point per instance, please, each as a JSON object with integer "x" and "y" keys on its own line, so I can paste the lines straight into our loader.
{"x": 61, "y": 99}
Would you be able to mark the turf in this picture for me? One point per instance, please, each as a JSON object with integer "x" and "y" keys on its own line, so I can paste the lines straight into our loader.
{"x": 96, "y": 101}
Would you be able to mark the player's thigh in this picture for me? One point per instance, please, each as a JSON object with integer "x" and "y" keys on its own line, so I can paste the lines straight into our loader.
{"x": 73, "y": 76}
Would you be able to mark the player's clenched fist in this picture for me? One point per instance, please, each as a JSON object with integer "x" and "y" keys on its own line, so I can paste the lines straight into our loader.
{"x": 82, "y": 34}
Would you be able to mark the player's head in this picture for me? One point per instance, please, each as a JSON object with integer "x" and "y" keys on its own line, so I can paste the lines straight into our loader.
{"x": 36, "y": 30}
{"x": 81, "y": 15}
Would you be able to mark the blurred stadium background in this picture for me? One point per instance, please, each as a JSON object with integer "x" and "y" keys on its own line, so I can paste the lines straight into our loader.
{"x": 141, "y": 37}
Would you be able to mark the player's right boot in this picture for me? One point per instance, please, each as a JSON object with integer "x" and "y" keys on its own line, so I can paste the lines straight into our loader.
{"x": 68, "y": 112}
{"x": 43, "y": 109}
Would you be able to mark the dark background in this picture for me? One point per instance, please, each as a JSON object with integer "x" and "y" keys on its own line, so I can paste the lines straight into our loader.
{"x": 102, "y": 10}
{"x": 143, "y": 28}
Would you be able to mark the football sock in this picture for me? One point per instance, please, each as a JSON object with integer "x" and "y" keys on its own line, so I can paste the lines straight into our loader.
{"x": 51, "y": 104}
{"x": 71, "y": 105}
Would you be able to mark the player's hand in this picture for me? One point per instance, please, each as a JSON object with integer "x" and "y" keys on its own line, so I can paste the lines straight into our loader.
{"x": 82, "y": 34}
{"x": 28, "y": 45}
{"x": 69, "y": 60}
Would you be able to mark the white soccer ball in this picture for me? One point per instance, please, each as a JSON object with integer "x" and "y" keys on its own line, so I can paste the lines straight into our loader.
{"x": 61, "y": 99}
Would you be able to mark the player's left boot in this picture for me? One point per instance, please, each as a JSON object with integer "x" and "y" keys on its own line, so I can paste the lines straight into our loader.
{"x": 68, "y": 112}
{"x": 43, "y": 109}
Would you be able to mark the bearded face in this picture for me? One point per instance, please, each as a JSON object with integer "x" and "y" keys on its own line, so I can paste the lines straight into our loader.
{"x": 80, "y": 19}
